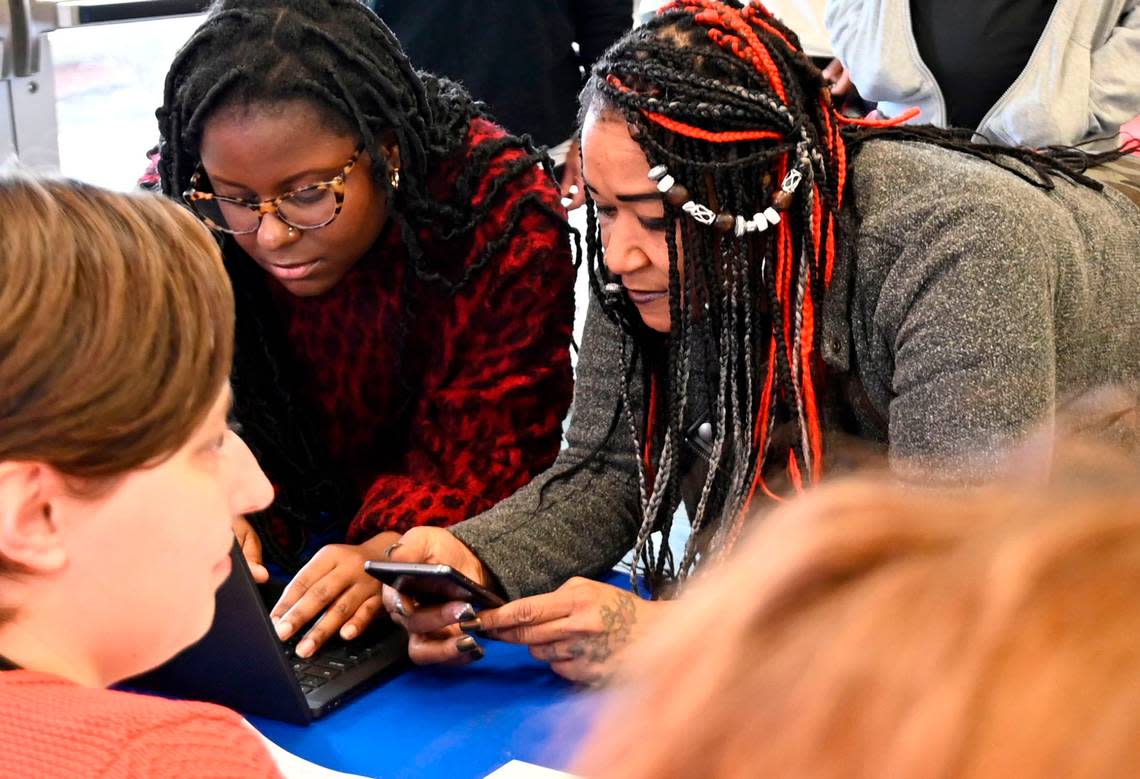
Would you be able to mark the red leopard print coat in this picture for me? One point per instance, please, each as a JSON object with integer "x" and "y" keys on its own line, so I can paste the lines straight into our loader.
{"x": 490, "y": 365}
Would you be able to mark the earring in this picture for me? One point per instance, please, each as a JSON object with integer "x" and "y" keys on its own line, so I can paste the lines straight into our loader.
{"x": 292, "y": 231}
{"x": 394, "y": 178}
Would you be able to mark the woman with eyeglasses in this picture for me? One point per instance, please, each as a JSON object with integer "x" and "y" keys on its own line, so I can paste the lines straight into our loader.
{"x": 403, "y": 280}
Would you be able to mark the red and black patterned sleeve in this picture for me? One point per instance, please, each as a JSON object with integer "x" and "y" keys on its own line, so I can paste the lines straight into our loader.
{"x": 489, "y": 417}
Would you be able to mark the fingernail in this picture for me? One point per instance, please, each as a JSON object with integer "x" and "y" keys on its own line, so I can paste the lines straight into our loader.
{"x": 401, "y": 609}
{"x": 477, "y": 653}
{"x": 468, "y": 646}
{"x": 305, "y": 648}
{"x": 349, "y": 632}
{"x": 392, "y": 548}
{"x": 573, "y": 189}
{"x": 283, "y": 629}
{"x": 466, "y": 613}
{"x": 566, "y": 202}
{"x": 472, "y": 626}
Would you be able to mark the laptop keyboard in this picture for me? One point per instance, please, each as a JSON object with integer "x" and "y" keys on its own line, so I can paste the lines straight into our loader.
{"x": 337, "y": 655}
{"x": 327, "y": 664}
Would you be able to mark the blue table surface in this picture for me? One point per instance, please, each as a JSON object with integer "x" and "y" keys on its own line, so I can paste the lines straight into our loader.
{"x": 450, "y": 722}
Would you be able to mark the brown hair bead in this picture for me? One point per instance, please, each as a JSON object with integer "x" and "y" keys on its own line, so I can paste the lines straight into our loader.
{"x": 782, "y": 201}
{"x": 676, "y": 195}
{"x": 724, "y": 222}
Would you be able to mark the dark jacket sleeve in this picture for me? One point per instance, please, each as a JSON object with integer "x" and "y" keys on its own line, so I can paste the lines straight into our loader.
{"x": 573, "y": 519}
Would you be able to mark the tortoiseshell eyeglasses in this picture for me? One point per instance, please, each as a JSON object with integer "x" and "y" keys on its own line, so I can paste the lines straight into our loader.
{"x": 306, "y": 208}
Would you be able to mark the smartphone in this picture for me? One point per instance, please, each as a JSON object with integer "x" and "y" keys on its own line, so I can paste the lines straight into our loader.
{"x": 429, "y": 583}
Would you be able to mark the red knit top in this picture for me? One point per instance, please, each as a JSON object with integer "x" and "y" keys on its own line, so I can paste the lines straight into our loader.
{"x": 55, "y": 728}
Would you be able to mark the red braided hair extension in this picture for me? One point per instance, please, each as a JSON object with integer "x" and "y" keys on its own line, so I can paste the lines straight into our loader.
{"x": 647, "y": 455}
{"x": 727, "y": 136}
{"x": 760, "y": 430}
{"x": 691, "y": 131}
{"x": 751, "y": 13}
{"x": 894, "y": 121}
{"x": 807, "y": 373}
{"x": 717, "y": 13}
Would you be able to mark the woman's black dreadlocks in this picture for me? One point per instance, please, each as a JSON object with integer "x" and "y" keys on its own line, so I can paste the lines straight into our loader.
{"x": 699, "y": 86}
{"x": 341, "y": 57}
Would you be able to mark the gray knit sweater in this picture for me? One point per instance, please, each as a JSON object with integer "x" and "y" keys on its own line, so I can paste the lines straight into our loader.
{"x": 973, "y": 304}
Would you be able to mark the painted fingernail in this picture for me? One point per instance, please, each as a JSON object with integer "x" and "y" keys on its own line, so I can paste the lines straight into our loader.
{"x": 401, "y": 607}
{"x": 467, "y": 645}
{"x": 566, "y": 202}
{"x": 477, "y": 653}
{"x": 392, "y": 548}
{"x": 472, "y": 626}
{"x": 349, "y": 632}
{"x": 466, "y": 613}
{"x": 283, "y": 629}
{"x": 306, "y": 648}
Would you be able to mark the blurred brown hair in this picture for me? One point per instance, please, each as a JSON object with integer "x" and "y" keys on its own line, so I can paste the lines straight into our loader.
{"x": 874, "y": 630}
{"x": 116, "y": 326}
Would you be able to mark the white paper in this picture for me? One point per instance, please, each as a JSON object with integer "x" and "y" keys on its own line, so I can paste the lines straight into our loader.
{"x": 517, "y": 769}
{"x": 296, "y": 767}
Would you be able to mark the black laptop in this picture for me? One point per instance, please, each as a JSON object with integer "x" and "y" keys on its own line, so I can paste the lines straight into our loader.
{"x": 242, "y": 664}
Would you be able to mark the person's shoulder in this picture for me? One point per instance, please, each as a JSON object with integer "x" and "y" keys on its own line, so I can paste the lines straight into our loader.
{"x": 905, "y": 190}
{"x": 191, "y": 739}
{"x": 482, "y": 130}
{"x": 513, "y": 180}
{"x": 915, "y": 172}
{"x": 122, "y": 733}
{"x": 933, "y": 218}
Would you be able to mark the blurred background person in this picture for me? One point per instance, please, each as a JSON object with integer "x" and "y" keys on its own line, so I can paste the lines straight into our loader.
{"x": 1019, "y": 72}
{"x": 870, "y": 630}
{"x": 525, "y": 59}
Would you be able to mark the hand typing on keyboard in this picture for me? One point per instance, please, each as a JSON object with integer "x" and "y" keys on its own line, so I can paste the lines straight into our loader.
{"x": 333, "y": 582}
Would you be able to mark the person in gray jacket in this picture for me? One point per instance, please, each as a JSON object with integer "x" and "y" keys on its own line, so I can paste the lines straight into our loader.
{"x": 1027, "y": 73}
{"x": 769, "y": 281}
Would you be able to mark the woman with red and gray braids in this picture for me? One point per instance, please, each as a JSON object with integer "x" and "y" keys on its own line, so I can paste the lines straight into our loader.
{"x": 770, "y": 276}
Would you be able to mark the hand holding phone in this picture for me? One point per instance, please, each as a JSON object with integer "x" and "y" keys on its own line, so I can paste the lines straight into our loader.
{"x": 430, "y": 583}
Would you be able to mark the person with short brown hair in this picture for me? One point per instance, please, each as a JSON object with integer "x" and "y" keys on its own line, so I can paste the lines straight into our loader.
{"x": 871, "y": 630}
{"x": 119, "y": 481}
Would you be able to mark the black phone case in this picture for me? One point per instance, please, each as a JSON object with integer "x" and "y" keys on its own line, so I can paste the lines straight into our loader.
{"x": 429, "y": 583}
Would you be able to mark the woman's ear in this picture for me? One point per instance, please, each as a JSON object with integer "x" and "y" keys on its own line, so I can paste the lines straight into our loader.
{"x": 388, "y": 148}
{"x": 31, "y": 536}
